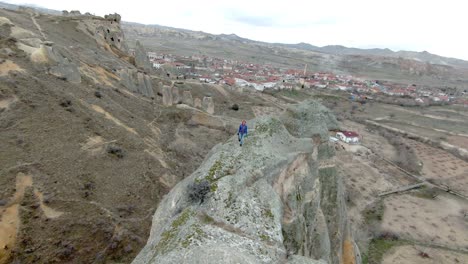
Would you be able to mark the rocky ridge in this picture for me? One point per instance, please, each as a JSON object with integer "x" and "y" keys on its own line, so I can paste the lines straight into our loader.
{"x": 278, "y": 199}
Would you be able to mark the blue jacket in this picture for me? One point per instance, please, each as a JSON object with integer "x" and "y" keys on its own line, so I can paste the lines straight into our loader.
{"x": 242, "y": 129}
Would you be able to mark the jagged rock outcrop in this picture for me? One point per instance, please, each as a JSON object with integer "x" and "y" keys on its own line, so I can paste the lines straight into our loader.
{"x": 136, "y": 81}
{"x": 187, "y": 98}
{"x": 208, "y": 104}
{"x": 167, "y": 95}
{"x": 113, "y": 17}
{"x": 66, "y": 70}
{"x": 309, "y": 120}
{"x": 56, "y": 61}
{"x": 75, "y": 13}
{"x": 197, "y": 103}
{"x": 107, "y": 32}
{"x": 277, "y": 199}
{"x": 175, "y": 95}
{"x": 141, "y": 58}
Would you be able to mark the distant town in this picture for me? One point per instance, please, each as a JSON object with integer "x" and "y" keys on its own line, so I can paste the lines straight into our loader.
{"x": 213, "y": 70}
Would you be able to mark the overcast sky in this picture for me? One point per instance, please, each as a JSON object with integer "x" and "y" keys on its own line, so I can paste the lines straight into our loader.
{"x": 434, "y": 26}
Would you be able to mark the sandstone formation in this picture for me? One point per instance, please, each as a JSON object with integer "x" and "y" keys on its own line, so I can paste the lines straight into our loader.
{"x": 309, "y": 120}
{"x": 113, "y": 17}
{"x": 278, "y": 199}
{"x": 136, "y": 82}
{"x": 141, "y": 59}
{"x": 175, "y": 95}
{"x": 208, "y": 104}
{"x": 167, "y": 95}
{"x": 187, "y": 98}
{"x": 44, "y": 53}
{"x": 197, "y": 103}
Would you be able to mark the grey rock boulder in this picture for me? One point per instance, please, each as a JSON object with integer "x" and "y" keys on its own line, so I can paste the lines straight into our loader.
{"x": 187, "y": 98}
{"x": 167, "y": 95}
{"x": 175, "y": 95}
{"x": 137, "y": 82}
{"x": 309, "y": 119}
{"x": 208, "y": 105}
{"x": 141, "y": 59}
{"x": 113, "y": 17}
{"x": 197, "y": 103}
{"x": 66, "y": 71}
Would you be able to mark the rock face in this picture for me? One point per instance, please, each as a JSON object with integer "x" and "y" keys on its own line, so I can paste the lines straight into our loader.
{"x": 208, "y": 104}
{"x": 197, "y": 103}
{"x": 309, "y": 120}
{"x": 136, "y": 81}
{"x": 43, "y": 53}
{"x": 141, "y": 59}
{"x": 67, "y": 71}
{"x": 175, "y": 95}
{"x": 187, "y": 98}
{"x": 277, "y": 199}
{"x": 107, "y": 32}
{"x": 167, "y": 95}
{"x": 113, "y": 17}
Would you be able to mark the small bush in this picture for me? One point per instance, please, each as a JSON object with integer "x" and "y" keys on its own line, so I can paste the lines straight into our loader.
{"x": 235, "y": 107}
{"x": 198, "y": 191}
{"x": 65, "y": 103}
{"x": 423, "y": 254}
{"x": 116, "y": 150}
{"x": 98, "y": 94}
{"x": 386, "y": 235}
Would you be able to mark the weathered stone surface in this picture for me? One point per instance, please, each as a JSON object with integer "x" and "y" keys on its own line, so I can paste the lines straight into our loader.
{"x": 187, "y": 98}
{"x": 167, "y": 95}
{"x": 113, "y": 17}
{"x": 67, "y": 71}
{"x": 175, "y": 95}
{"x": 141, "y": 59}
{"x": 107, "y": 32}
{"x": 266, "y": 202}
{"x": 202, "y": 119}
{"x": 137, "y": 82}
{"x": 75, "y": 13}
{"x": 127, "y": 79}
{"x": 208, "y": 104}
{"x": 7, "y": 52}
{"x": 309, "y": 119}
{"x": 60, "y": 66}
{"x": 197, "y": 103}
{"x": 149, "y": 86}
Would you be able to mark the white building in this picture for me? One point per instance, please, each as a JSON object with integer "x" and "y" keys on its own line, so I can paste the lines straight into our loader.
{"x": 348, "y": 137}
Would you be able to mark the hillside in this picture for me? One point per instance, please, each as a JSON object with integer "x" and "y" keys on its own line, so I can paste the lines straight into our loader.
{"x": 402, "y": 66}
{"x": 89, "y": 147}
{"x": 105, "y": 160}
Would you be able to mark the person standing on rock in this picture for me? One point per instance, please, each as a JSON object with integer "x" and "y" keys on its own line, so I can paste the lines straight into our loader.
{"x": 242, "y": 132}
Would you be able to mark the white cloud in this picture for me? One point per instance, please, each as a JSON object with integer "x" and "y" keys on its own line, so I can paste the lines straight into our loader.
{"x": 435, "y": 26}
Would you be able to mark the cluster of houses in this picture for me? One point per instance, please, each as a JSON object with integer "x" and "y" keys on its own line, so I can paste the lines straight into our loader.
{"x": 259, "y": 77}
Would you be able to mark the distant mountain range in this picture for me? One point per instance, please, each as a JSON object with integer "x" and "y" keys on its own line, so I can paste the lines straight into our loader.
{"x": 419, "y": 56}
{"x": 330, "y": 49}
{"x": 36, "y": 7}
{"x": 401, "y": 66}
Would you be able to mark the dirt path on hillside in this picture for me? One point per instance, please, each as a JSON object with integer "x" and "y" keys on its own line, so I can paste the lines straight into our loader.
{"x": 10, "y": 220}
{"x": 10, "y": 215}
{"x": 33, "y": 18}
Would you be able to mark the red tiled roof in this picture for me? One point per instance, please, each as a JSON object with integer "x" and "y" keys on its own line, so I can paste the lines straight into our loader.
{"x": 350, "y": 133}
